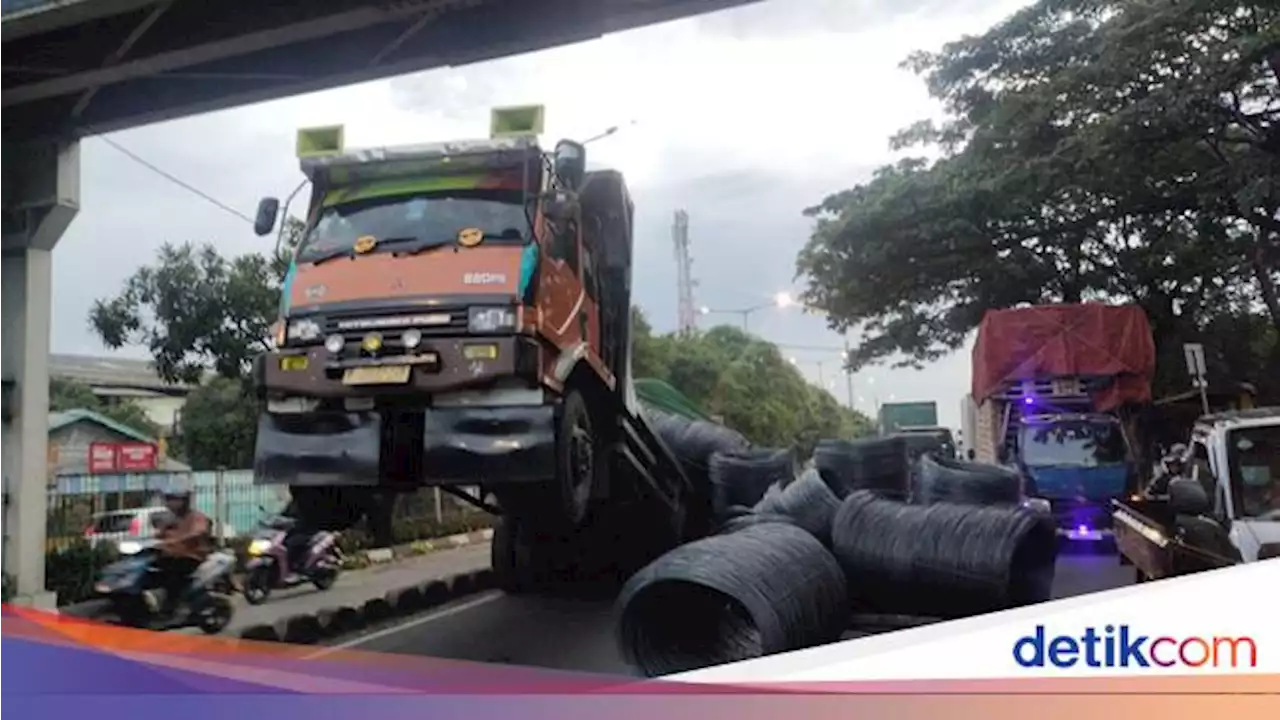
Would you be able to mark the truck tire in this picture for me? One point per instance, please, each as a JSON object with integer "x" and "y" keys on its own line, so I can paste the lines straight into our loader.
{"x": 581, "y": 464}
{"x": 510, "y": 557}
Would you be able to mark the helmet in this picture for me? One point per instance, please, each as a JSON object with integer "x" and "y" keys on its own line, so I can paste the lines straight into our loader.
{"x": 177, "y": 493}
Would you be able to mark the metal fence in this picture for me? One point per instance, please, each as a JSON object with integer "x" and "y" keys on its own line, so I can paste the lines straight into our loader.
{"x": 107, "y": 504}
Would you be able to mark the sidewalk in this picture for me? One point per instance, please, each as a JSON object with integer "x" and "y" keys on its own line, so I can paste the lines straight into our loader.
{"x": 354, "y": 587}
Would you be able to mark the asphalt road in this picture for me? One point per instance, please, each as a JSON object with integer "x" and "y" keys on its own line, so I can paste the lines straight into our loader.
{"x": 354, "y": 587}
{"x": 578, "y": 635}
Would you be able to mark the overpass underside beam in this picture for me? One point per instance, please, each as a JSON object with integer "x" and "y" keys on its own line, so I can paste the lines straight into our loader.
{"x": 41, "y": 195}
{"x": 199, "y": 57}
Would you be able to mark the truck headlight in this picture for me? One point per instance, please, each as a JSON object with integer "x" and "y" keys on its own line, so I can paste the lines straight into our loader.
{"x": 491, "y": 319}
{"x": 305, "y": 330}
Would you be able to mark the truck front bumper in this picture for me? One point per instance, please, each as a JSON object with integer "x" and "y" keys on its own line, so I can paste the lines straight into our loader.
{"x": 1083, "y": 520}
{"x": 440, "y": 365}
{"x": 460, "y": 446}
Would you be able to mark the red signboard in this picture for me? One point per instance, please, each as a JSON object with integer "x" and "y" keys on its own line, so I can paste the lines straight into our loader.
{"x": 122, "y": 457}
{"x": 135, "y": 456}
{"x": 102, "y": 457}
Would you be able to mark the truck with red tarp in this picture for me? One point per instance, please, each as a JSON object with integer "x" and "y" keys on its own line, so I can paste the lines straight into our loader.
{"x": 1059, "y": 392}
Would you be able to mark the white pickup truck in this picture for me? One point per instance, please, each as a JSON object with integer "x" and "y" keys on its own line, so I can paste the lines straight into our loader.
{"x": 1227, "y": 508}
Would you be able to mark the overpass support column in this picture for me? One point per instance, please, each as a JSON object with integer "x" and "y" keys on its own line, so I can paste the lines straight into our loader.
{"x": 41, "y": 195}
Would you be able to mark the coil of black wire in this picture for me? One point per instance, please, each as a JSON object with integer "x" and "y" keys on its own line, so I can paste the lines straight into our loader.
{"x": 693, "y": 442}
{"x": 943, "y": 560}
{"x": 957, "y": 481}
{"x": 741, "y": 477}
{"x": 739, "y": 517}
{"x": 878, "y": 464}
{"x": 765, "y": 589}
{"x": 808, "y": 503}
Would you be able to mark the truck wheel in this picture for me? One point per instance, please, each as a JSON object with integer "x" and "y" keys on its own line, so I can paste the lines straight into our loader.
{"x": 515, "y": 558}
{"x": 580, "y": 462}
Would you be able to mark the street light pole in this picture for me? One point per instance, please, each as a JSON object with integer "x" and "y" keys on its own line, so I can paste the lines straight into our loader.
{"x": 744, "y": 312}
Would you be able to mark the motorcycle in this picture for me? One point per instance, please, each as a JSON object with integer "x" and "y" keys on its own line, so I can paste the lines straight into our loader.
{"x": 130, "y": 594}
{"x": 270, "y": 564}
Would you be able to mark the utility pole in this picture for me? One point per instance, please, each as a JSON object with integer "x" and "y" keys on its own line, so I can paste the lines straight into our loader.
{"x": 688, "y": 311}
{"x": 848, "y": 373}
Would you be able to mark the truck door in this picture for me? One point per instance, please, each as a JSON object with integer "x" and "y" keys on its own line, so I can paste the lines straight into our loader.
{"x": 562, "y": 298}
{"x": 1209, "y": 467}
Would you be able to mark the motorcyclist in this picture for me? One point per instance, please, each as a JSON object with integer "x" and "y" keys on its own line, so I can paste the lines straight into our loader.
{"x": 297, "y": 540}
{"x": 1171, "y": 467}
{"x": 184, "y": 542}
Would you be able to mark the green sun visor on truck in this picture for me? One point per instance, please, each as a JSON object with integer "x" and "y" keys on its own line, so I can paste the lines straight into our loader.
{"x": 417, "y": 185}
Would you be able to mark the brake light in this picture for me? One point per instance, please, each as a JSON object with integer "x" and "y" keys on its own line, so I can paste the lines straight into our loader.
{"x": 88, "y": 532}
{"x": 135, "y": 526}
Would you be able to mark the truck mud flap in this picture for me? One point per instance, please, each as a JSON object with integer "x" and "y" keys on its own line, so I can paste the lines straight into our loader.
{"x": 491, "y": 445}
{"x": 318, "y": 449}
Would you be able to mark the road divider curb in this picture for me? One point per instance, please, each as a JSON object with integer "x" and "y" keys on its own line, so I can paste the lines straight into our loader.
{"x": 333, "y": 622}
{"x": 378, "y": 556}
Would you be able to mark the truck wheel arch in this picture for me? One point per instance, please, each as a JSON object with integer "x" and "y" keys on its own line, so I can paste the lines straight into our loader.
{"x": 569, "y": 361}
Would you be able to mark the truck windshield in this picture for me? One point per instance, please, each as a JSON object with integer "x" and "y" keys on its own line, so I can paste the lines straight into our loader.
{"x": 1253, "y": 454}
{"x": 411, "y": 222}
{"x": 1075, "y": 443}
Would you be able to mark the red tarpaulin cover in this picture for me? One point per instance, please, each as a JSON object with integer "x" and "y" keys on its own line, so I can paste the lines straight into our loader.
{"x": 1055, "y": 341}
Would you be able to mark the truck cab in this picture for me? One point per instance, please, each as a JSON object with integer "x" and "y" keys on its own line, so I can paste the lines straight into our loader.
{"x": 1236, "y": 457}
{"x": 457, "y": 314}
{"x": 1078, "y": 462}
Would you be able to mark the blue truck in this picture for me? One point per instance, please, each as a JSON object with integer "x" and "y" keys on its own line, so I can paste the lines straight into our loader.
{"x": 1059, "y": 392}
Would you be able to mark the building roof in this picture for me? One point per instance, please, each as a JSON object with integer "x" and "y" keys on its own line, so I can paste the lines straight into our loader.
{"x": 59, "y": 420}
{"x": 112, "y": 372}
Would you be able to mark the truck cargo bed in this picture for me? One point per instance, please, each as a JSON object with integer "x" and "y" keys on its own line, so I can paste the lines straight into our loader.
{"x": 1162, "y": 544}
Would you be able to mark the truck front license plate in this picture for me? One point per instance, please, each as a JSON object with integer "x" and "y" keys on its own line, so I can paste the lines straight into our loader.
{"x": 385, "y": 375}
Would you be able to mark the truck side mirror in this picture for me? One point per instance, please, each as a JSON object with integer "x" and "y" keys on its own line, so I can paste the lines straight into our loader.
{"x": 1188, "y": 497}
{"x": 571, "y": 163}
{"x": 265, "y": 220}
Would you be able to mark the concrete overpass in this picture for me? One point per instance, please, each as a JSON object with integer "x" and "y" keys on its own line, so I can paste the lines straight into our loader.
{"x": 74, "y": 68}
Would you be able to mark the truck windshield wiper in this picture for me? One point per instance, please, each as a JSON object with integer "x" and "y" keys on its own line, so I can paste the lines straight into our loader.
{"x": 425, "y": 247}
{"x": 348, "y": 252}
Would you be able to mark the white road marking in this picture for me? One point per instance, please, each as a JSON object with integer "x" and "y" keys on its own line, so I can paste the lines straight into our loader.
{"x": 411, "y": 623}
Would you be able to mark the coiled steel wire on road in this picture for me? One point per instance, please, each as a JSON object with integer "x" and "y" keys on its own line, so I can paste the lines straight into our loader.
{"x": 878, "y": 464}
{"x": 943, "y": 560}
{"x": 741, "y": 477}
{"x": 808, "y": 502}
{"x": 740, "y": 516}
{"x": 957, "y": 481}
{"x": 764, "y": 589}
{"x": 694, "y": 442}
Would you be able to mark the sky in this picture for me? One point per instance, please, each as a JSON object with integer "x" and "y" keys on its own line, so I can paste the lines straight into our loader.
{"x": 742, "y": 118}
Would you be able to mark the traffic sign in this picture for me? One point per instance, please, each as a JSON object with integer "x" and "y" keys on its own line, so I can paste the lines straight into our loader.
{"x": 1194, "y": 353}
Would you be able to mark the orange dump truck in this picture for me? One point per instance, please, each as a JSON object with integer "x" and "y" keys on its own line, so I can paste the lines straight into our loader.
{"x": 458, "y": 315}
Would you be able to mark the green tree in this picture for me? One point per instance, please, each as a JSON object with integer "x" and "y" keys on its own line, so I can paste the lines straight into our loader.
{"x": 746, "y": 381}
{"x": 1093, "y": 150}
{"x": 218, "y": 426}
{"x": 196, "y": 310}
{"x": 70, "y": 395}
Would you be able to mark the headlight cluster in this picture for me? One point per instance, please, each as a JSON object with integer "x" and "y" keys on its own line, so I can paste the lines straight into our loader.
{"x": 303, "y": 330}
{"x": 491, "y": 319}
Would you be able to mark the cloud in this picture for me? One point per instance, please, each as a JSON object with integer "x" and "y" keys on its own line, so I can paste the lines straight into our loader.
{"x": 742, "y": 117}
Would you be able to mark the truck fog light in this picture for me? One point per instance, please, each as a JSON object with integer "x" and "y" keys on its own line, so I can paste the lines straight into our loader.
{"x": 334, "y": 344}
{"x": 411, "y": 338}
